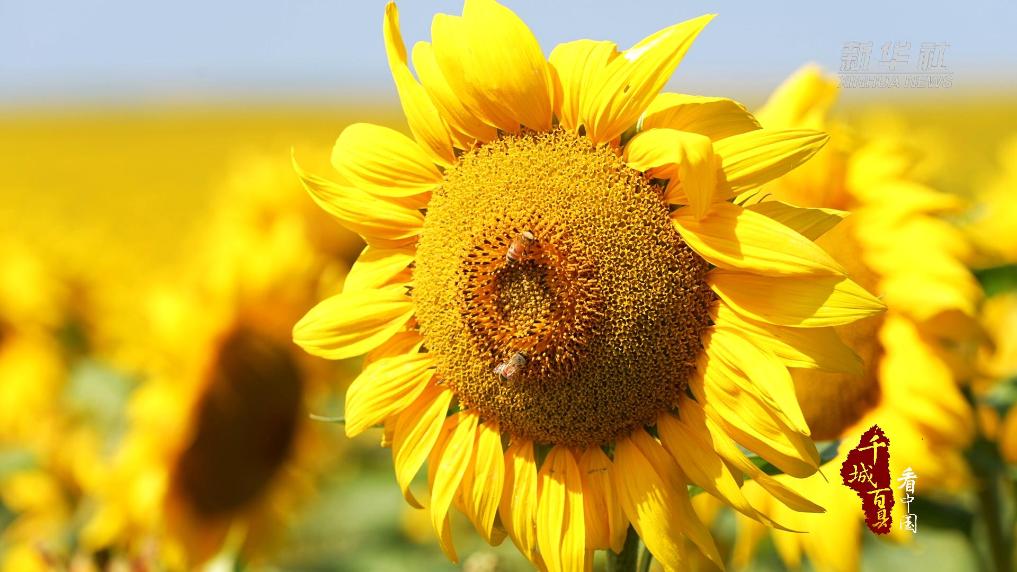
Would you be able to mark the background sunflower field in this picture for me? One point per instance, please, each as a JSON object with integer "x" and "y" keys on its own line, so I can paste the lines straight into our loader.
{"x": 156, "y": 249}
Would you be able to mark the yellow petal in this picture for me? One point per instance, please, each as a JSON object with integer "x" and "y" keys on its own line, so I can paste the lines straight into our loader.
{"x": 695, "y": 455}
{"x": 352, "y": 323}
{"x": 518, "y": 508}
{"x": 691, "y": 445}
{"x": 404, "y": 342}
{"x": 377, "y": 267}
{"x": 923, "y": 387}
{"x": 714, "y": 117}
{"x": 728, "y": 449}
{"x": 801, "y": 301}
{"x": 810, "y": 223}
{"x": 748, "y": 411}
{"x": 684, "y": 158}
{"x": 416, "y": 433}
{"x": 606, "y": 525}
{"x": 492, "y": 61}
{"x": 482, "y": 485}
{"x": 923, "y": 298}
{"x": 813, "y": 348}
{"x": 654, "y": 495}
{"x": 467, "y": 127}
{"x": 385, "y": 388}
{"x": 450, "y": 462}
{"x": 739, "y": 239}
{"x": 802, "y": 101}
{"x": 726, "y": 387}
{"x": 561, "y": 529}
{"x": 578, "y": 64}
{"x": 625, "y": 88}
{"x": 424, "y": 120}
{"x": 385, "y": 163}
{"x": 766, "y": 373}
{"x": 380, "y": 222}
{"x": 756, "y": 157}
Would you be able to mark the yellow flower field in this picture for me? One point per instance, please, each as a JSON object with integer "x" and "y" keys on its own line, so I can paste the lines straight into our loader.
{"x": 536, "y": 308}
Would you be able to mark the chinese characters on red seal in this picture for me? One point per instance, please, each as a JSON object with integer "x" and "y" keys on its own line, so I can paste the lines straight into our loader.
{"x": 866, "y": 470}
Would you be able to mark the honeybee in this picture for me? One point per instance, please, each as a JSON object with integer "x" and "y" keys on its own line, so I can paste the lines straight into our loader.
{"x": 507, "y": 370}
{"x": 519, "y": 246}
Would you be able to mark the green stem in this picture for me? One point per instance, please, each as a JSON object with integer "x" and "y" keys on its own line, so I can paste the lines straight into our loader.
{"x": 645, "y": 561}
{"x": 990, "y": 500}
{"x": 629, "y": 556}
{"x": 985, "y": 462}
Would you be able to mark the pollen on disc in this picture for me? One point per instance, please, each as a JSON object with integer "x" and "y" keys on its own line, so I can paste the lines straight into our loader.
{"x": 554, "y": 292}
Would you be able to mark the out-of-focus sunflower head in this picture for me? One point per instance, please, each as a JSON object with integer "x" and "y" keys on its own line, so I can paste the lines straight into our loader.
{"x": 994, "y": 215}
{"x": 804, "y": 101}
{"x": 220, "y": 445}
{"x": 49, "y": 446}
{"x": 33, "y": 310}
{"x": 896, "y": 240}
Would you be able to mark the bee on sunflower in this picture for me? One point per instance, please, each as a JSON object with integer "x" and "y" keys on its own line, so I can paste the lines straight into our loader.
{"x": 220, "y": 447}
{"x": 915, "y": 357}
{"x": 564, "y": 310}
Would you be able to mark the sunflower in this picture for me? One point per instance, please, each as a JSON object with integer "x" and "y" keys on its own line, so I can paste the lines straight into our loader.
{"x": 914, "y": 356}
{"x": 993, "y": 217}
{"x": 50, "y": 454}
{"x": 561, "y": 309}
{"x": 220, "y": 446}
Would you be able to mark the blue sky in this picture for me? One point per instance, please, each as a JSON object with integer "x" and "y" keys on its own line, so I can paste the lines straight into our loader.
{"x": 125, "y": 51}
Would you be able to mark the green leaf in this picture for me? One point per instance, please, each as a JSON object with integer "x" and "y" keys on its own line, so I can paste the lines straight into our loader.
{"x": 1002, "y": 396}
{"x": 997, "y": 279}
{"x": 15, "y": 460}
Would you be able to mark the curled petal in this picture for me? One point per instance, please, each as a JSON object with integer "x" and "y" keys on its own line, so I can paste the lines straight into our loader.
{"x": 686, "y": 159}
{"x": 578, "y": 64}
{"x": 492, "y": 60}
{"x": 756, "y": 157}
{"x": 561, "y": 529}
{"x": 627, "y": 85}
{"x": 800, "y": 301}
{"x": 384, "y": 388}
{"x": 380, "y": 222}
{"x": 736, "y": 238}
{"x": 424, "y": 120}
{"x": 385, "y": 163}
{"x": 416, "y": 433}
{"x": 377, "y": 267}
{"x": 811, "y": 223}
{"x": 353, "y": 323}
{"x": 714, "y": 117}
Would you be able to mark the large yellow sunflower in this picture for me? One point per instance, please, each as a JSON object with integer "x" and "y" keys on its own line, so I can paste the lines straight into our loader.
{"x": 563, "y": 311}
{"x": 220, "y": 444}
{"x": 915, "y": 355}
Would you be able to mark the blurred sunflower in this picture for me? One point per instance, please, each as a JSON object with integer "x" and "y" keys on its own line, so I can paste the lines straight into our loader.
{"x": 999, "y": 367}
{"x": 913, "y": 358}
{"x": 994, "y": 217}
{"x": 48, "y": 457}
{"x": 562, "y": 311}
{"x": 220, "y": 445}
{"x": 995, "y": 212}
